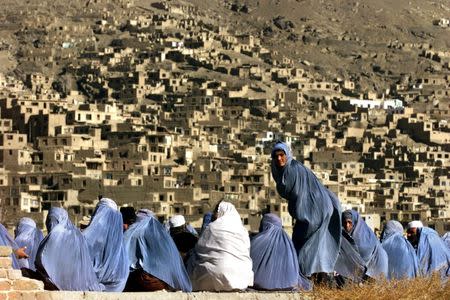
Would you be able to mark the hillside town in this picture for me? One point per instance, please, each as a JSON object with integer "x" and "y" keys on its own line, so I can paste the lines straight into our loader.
{"x": 179, "y": 113}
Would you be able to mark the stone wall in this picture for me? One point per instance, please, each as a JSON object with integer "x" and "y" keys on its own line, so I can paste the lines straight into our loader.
{"x": 12, "y": 284}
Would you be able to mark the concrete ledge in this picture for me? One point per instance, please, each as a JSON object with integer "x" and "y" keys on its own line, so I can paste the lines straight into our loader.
{"x": 162, "y": 295}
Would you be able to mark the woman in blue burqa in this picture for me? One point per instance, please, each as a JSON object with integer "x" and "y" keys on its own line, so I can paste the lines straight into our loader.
{"x": 402, "y": 259}
{"x": 63, "y": 260}
{"x": 275, "y": 263}
{"x": 104, "y": 236}
{"x": 359, "y": 234}
{"x": 17, "y": 253}
{"x": 316, "y": 210}
{"x": 433, "y": 255}
{"x": 153, "y": 257}
{"x": 29, "y": 237}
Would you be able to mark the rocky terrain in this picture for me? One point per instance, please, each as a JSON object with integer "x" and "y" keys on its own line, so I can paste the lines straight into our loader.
{"x": 359, "y": 40}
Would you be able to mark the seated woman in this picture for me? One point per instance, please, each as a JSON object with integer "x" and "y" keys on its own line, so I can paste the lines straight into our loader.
{"x": 358, "y": 234}
{"x": 7, "y": 240}
{"x": 401, "y": 255}
{"x": 275, "y": 262}
{"x": 104, "y": 236}
{"x": 63, "y": 261}
{"x": 29, "y": 237}
{"x": 154, "y": 261}
{"x": 221, "y": 259}
{"x": 433, "y": 255}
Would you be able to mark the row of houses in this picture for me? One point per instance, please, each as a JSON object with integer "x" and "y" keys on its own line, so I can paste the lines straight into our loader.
{"x": 180, "y": 113}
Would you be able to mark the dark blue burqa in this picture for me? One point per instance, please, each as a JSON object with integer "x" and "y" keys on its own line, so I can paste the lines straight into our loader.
{"x": 432, "y": 253}
{"x": 151, "y": 248}
{"x": 401, "y": 255}
{"x": 368, "y": 246}
{"x": 28, "y": 235}
{"x": 7, "y": 240}
{"x": 63, "y": 255}
{"x": 104, "y": 236}
{"x": 275, "y": 263}
{"x": 317, "y": 214}
{"x": 207, "y": 218}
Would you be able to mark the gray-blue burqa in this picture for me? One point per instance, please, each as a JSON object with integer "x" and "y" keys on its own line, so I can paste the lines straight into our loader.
{"x": 317, "y": 213}
{"x": 275, "y": 263}
{"x": 402, "y": 259}
{"x": 151, "y": 248}
{"x": 368, "y": 246}
{"x": 433, "y": 254}
{"x": 63, "y": 256}
{"x": 29, "y": 236}
{"x": 7, "y": 240}
{"x": 104, "y": 236}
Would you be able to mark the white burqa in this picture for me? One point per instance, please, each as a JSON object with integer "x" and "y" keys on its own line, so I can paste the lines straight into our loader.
{"x": 221, "y": 261}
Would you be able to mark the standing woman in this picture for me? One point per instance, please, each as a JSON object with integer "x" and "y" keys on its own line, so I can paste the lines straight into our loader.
{"x": 28, "y": 236}
{"x": 317, "y": 213}
{"x": 104, "y": 236}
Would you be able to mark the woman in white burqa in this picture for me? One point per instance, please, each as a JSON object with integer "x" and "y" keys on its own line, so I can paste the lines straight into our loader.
{"x": 221, "y": 259}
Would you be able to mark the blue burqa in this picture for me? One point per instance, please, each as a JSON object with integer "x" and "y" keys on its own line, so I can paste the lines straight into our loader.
{"x": 104, "y": 236}
{"x": 275, "y": 263}
{"x": 432, "y": 253}
{"x": 368, "y": 246}
{"x": 151, "y": 248}
{"x": 446, "y": 239}
{"x": 28, "y": 235}
{"x": 63, "y": 255}
{"x": 316, "y": 210}
{"x": 350, "y": 265}
{"x": 402, "y": 259}
{"x": 7, "y": 240}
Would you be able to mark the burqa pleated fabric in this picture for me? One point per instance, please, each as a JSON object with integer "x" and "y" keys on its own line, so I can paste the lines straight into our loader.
{"x": 221, "y": 259}
{"x": 446, "y": 239}
{"x": 7, "y": 240}
{"x": 63, "y": 255}
{"x": 368, "y": 246}
{"x": 350, "y": 265}
{"x": 28, "y": 235}
{"x": 402, "y": 259}
{"x": 275, "y": 263}
{"x": 104, "y": 236}
{"x": 316, "y": 211}
{"x": 151, "y": 248}
{"x": 432, "y": 253}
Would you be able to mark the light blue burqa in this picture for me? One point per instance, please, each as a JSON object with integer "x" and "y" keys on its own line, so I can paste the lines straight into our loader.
{"x": 446, "y": 239}
{"x": 275, "y": 263}
{"x": 104, "y": 236}
{"x": 63, "y": 255}
{"x": 368, "y": 246}
{"x": 7, "y": 240}
{"x": 402, "y": 259}
{"x": 316, "y": 210}
{"x": 151, "y": 248}
{"x": 28, "y": 235}
{"x": 432, "y": 253}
